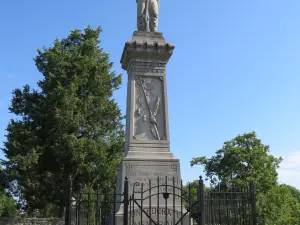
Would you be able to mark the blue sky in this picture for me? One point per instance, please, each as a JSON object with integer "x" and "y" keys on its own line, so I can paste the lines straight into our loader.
{"x": 235, "y": 68}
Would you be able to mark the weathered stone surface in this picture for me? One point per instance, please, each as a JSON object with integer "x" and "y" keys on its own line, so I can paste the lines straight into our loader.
{"x": 150, "y": 6}
{"x": 147, "y": 125}
{"x": 140, "y": 172}
{"x": 149, "y": 96}
{"x": 149, "y": 164}
{"x": 146, "y": 174}
{"x": 146, "y": 47}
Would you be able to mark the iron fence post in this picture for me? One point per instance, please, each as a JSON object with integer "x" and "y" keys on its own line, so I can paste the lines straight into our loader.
{"x": 68, "y": 212}
{"x": 125, "y": 202}
{"x": 62, "y": 203}
{"x": 252, "y": 200}
{"x": 201, "y": 202}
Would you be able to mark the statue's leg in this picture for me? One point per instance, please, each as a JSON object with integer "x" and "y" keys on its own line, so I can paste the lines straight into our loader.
{"x": 141, "y": 8}
{"x": 153, "y": 12}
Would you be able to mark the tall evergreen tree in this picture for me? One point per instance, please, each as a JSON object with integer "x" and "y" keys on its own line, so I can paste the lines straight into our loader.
{"x": 70, "y": 125}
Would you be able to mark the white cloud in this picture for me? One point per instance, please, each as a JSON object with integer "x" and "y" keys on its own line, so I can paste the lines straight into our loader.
{"x": 289, "y": 177}
{"x": 289, "y": 171}
{"x": 291, "y": 160}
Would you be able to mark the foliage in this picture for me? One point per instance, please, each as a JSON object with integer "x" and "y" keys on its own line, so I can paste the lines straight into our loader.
{"x": 246, "y": 158}
{"x": 190, "y": 193}
{"x": 279, "y": 207}
{"x": 240, "y": 160}
{"x": 8, "y": 206}
{"x": 294, "y": 191}
{"x": 88, "y": 205}
{"x": 69, "y": 126}
{"x": 94, "y": 203}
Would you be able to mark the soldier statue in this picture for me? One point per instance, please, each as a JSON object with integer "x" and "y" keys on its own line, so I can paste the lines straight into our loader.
{"x": 152, "y": 7}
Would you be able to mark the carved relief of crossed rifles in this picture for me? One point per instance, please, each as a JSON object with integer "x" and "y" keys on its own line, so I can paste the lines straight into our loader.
{"x": 152, "y": 114}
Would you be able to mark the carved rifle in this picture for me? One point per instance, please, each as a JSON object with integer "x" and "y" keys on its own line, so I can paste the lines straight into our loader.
{"x": 148, "y": 105}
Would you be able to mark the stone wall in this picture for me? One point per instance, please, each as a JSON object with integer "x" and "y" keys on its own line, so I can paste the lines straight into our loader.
{"x": 31, "y": 221}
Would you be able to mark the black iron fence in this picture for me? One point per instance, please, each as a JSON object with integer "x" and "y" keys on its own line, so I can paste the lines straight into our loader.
{"x": 233, "y": 205}
{"x": 162, "y": 202}
{"x": 91, "y": 205}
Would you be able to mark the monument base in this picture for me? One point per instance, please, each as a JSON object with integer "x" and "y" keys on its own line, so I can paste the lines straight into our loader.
{"x": 141, "y": 171}
{"x": 185, "y": 220}
{"x": 152, "y": 177}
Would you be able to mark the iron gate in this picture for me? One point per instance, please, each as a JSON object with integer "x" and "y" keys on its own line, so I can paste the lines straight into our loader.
{"x": 167, "y": 207}
{"x": 158, "y": 202}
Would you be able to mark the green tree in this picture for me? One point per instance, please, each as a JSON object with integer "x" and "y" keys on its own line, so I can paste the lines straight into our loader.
{"x": 89, "y": 199}
{"x": 279, "y": 206}
{"x": 294, "y": 191}
{"x": 240, "y": 160}
{"x": 8, "y": 206}
{"x": 190, "y": 192}
{"x": 69, "y": 125}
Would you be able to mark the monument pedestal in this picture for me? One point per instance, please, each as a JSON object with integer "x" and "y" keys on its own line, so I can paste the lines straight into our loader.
{"x": 147, "y": 146}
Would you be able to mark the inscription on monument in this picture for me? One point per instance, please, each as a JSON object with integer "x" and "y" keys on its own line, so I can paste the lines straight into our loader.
{"x": 146, "y": 173}
{"x": 145, "y": 177}
{"x": 164, "y": 216}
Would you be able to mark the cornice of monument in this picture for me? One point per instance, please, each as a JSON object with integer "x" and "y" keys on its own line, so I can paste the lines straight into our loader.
{"x": 148, "y": 46}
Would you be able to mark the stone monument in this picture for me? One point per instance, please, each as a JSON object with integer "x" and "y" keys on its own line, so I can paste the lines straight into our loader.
{"x": 147, "y": 145}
